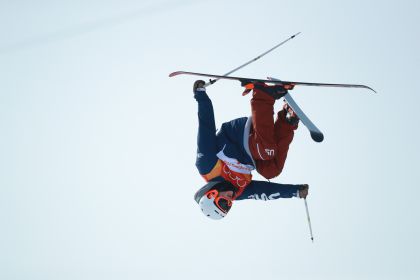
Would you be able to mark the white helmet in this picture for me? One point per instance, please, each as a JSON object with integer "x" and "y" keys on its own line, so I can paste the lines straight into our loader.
{"x": 212, "y": 205}
{"x": 210, "y": 209}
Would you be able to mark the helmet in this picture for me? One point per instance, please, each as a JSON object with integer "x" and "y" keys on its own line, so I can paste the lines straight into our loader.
{"x": 212, "y": 203}
{"x": 215, "y": 206}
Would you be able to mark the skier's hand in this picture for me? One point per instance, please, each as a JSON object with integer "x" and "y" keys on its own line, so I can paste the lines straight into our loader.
{"x": 304, "y": 191}
{"x": 291, "y": 117}
{"x": 289, "y": 86}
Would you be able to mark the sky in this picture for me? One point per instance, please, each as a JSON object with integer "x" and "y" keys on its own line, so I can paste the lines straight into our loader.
{"x": 97, "y": 143}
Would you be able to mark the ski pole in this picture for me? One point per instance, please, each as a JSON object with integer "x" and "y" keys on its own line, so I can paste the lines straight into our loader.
{"x": 252, "y": 60}
{"x": 309, "y": 220}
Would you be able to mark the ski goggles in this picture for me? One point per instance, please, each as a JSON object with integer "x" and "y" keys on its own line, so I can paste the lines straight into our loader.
{"x": 223, "y": 203}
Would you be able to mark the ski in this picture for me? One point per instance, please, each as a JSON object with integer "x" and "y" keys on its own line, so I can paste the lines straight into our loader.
{"x": 316, "y": 134}
{"x": 173, "y": 74}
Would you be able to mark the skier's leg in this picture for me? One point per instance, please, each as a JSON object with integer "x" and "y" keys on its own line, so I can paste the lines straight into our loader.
{"x": 206, "y": 138}
{"x": 262, "y": 142}
{"x": 283, "y": 134}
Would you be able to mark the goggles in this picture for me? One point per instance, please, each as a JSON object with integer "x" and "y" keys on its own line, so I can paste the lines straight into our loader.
{"x": 223, "y": 203}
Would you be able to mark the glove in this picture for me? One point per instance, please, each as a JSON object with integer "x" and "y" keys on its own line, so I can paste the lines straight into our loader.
{"x": 303, "y": 191}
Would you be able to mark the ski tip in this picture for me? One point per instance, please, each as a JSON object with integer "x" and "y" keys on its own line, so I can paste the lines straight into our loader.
{"x": 317, "y": 136}
{"x": 175, "y": 73}
{"x": 371, "y": 89}
{"x": 366, "y": 87}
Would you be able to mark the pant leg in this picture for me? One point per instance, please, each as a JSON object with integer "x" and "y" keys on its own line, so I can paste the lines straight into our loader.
{"x": 206, "y": 138}
{"x": 283, "y": 134}
{"x": 262, "y": 142}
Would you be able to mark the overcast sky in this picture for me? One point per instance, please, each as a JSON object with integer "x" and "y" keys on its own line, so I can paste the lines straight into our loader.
{"x": 97, "y": 144}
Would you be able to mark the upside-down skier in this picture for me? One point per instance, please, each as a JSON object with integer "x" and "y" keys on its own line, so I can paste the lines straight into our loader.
{"x": 225, "y": 159}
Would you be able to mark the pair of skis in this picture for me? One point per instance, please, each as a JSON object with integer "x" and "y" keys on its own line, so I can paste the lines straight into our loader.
{"x": 316, "y": 134}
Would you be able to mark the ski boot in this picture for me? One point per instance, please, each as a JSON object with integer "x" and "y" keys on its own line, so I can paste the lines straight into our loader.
{"x": 275, "y": 91}
{"x": 291, "y": 117}
{"x": 199, "y": 86}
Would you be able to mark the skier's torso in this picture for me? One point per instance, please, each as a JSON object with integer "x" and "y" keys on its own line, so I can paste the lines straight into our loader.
{"x": 232, "y": 141}
{"x": 235, "y": 163}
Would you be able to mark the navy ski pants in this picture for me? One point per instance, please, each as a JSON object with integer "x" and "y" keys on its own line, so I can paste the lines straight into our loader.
{"x": 206, "y": 138}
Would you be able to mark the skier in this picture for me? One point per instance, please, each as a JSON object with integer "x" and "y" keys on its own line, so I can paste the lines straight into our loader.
{"x": 225, "y": 159}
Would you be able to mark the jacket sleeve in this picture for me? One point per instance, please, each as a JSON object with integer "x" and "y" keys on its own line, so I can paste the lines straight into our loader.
{"x": 261, "y": 190}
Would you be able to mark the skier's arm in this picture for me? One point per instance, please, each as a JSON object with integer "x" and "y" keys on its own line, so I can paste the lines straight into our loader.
{"x": 261, "y": 190}
{"x": 206, "y": 138}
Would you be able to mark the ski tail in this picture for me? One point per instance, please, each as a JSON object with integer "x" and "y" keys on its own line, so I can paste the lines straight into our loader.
{"x": 316, "y": 134}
